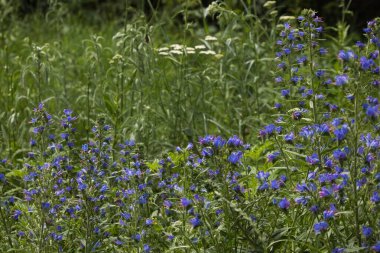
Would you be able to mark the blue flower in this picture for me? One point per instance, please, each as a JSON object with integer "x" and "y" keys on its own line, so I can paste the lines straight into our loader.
{"x": 2, "y": 177}
{"x": 285, "y": 93}
{"x": 284, "y": 204}
{"x": 185, "y": 202}
{"x": 320, "y": 227}
{"x": 146, "y": 248}
{"x": 313, "y": 159}
{"x": 367, "y": 231}
{"x": 195, "y": 222}
{"x": 365, "y": 63}
{"x": 338, "y": 250}
{"x": 85, "y": 147}
{"x": 235, "y": 157}
{"x": 346, "y": 55}
{"x": 45, "y": 205}
{"x": 234, "y": 141}
{"x": 273, "y": 156}
{"x": 289, "y": 137}
{"x": 17, "y": 214}
{"x": 340, "y": 155}
{"x": 375, "y": 198}
{"x": 341, "y": 79}
{"x": 376, "y": 247}
{"x": 261, "y": 175}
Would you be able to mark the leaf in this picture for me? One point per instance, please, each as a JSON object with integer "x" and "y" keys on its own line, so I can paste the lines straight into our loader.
{"x": 153, "y": 166}
{"x": 16, "y": 173}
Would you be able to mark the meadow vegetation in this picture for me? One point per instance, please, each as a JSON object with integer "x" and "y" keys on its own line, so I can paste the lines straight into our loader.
{"x": 170, "y": 133}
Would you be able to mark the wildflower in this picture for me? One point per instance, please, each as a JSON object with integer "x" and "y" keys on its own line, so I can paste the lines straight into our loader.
{"x": 376, "y": 247}
{"x": 375, "y": 198}
{"x": 367, "y": 231}
{"x": 261, "y": 175}
{"x": 330, "y": 213}
{"x": 325, "y": 192}
{"x": 289, "y": 137}
{"x": 365, "y": 63}
{"x": 234, "y": 141}
{"x": 313, "y": 159}
{"x": 185, "y": 202}
{"x": 2, "y": 177}
{"x": 302, "y": 200}
{"x": 263, "y": 186}
{"x": 235, "y": 157}
{"x": 207, "y": 152}
{"x": 323, "y": 51}
{"x": 360, "y": 44}
{"x": 146, "y": 248}
{"x": 346, "y": 55}
{"x": 340, "y": 155}
{"x": 338, "y": 250}
{"x": 45, "y": 205}
{"x": 285, "y": 93}
{"x": 297, "y": 115}
{"x": 320, "y": 73}
{"x": 320, "y": 227}
{"x": 195, "y": 222}
{"x": 372, "y": 111}
{"x": 273, "y": 156}
{"x": 341, "y": 80}
{"x": 284, "y": 204}
{"x": 17, "y": 213}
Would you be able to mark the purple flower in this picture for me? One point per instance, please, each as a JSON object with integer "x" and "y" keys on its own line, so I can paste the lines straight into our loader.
{"x": 341, "y": 79}
{"x": 360, "y": 44}
{"x": 45, "y": 205}
{"x": 320, "y": 227}
{"x": 234, "y": 141}
{"x": 346, "y": 55}
{"x": 375, "y": 198}
{"x": 367, "y": 231}
{"x": 372, "y": 111}
{"x": 322, "y": 51}
{"x": 146, "y": 248}
{"x": 297, "y": 115}
{"x": 340, "y": 155}
{"x": 376, "y": 247}
{"x": 195, "y": 222}
{"x": 2, "y": 177}
{"x": 338, "y": 250}
{"x": 365, "y": 63}
{"x": 285, "y": 93}
{"x": 235, "y": 157}
{"x": 185, "y": 202}
{"x": 261, "y": 175}
{"x": 284, "y": 204}
{"x": 273, "y": 156}
{"x": 313, "y": 159}
{"x": 17, "y": 214}
{"x": 330, "y": 213}
{"x": 302, "y": 200}
{"x": 207, "y": 152}
{"x": 320, "y": 73}
{"x": 325, "y": 192}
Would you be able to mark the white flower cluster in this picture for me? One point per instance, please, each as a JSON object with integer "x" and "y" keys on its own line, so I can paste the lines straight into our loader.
{"x": 177, "y": 49}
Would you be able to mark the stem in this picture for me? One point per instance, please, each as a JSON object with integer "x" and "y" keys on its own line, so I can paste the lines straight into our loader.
{"x": 354, "y": 169}
{"x": 6, "y": 227}
{"x": 313, "y": 87}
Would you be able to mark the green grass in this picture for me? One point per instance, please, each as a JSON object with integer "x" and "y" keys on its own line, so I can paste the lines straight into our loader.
{"x": 115, "y": 70}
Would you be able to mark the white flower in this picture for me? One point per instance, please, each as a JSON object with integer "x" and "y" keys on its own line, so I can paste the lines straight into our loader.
{"x": 210, "y": 38}
{"x": 200, "y": 47}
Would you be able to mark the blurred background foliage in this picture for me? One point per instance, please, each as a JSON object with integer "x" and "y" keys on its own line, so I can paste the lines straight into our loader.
{"x": 101, "y": 58}
{"x": 97, "y": 11}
